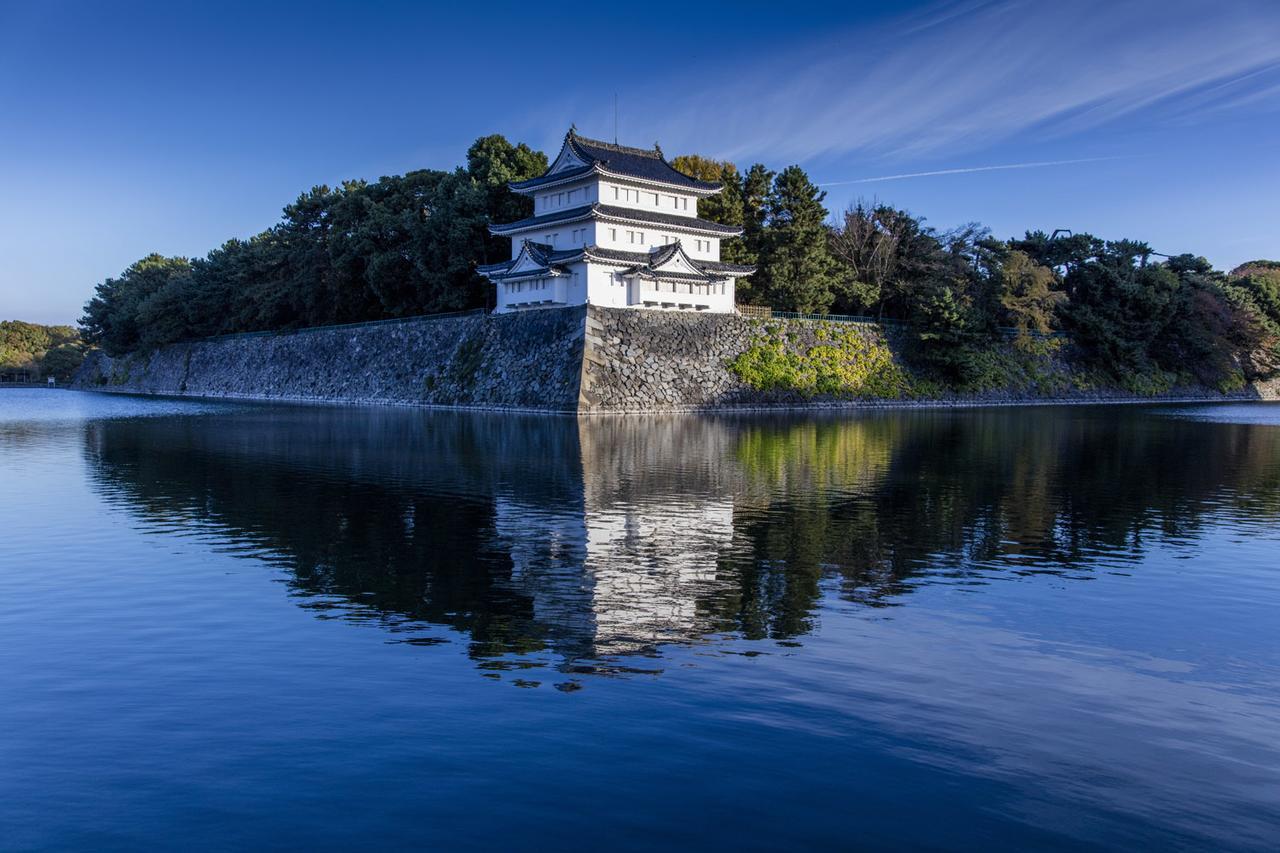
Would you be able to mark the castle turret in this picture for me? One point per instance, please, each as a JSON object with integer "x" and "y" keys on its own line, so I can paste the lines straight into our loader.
{"x": 614, "y": 226}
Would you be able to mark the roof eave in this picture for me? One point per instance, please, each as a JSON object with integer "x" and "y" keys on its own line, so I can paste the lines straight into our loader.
{"x": 543, "y": 181}
{"x": 509, "y": 230}
{"x": 701, "y": 189}
{"x": 694, "y": 225}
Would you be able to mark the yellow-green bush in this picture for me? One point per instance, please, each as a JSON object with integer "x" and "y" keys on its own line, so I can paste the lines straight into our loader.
{"x": 846, "y": 362}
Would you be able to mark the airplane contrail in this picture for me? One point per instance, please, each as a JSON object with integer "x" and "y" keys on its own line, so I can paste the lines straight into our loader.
{"x": 969, "y": 170}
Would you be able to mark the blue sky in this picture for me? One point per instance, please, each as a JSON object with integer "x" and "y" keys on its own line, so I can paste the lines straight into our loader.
{"x": 128, "y": 128}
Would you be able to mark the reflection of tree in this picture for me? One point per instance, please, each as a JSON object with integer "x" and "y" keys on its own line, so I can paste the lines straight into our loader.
{"x": 958, "y": 495}
{"x": 611, "y": 537}
{"x": 385, "y": 509}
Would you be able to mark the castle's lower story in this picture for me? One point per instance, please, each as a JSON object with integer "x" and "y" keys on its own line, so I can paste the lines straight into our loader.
{"x": 665, "y": 278}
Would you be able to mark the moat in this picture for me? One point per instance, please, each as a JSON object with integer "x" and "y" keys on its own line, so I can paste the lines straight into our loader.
{"x": 274, "y": 626}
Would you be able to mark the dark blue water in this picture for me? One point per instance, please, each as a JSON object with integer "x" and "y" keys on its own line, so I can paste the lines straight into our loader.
{"x": 227, "y": 626}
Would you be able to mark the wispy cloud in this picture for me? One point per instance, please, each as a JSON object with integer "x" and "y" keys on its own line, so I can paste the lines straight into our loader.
{"x": 964, "y": 75}
{"x": 970, "y": 170}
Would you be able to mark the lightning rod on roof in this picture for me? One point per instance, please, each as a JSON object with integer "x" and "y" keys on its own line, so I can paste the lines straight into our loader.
{"x": 615, "y": 118}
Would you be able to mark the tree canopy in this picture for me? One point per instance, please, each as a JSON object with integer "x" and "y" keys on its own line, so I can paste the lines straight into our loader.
{"x": 399, "y": 246}
{"x": 39, "y": 350}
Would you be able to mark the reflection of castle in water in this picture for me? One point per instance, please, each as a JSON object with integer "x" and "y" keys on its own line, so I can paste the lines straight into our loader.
{"x": 624, "y": 570}
{"x": 619, "y": 579}
{"x": 603, "y": 538}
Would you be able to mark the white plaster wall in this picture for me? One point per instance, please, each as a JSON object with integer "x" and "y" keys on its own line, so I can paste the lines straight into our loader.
{"x": 720, "y": 300}
{"x": 561, "y": 235}
{"x": 511, "y": 293}
{"x": 574, "y": 194}
{"x": 622, "y": 194}
{"x": 604, "y": 286}
{"x": 615, "y": 235}
{"x": 576, "y": 284}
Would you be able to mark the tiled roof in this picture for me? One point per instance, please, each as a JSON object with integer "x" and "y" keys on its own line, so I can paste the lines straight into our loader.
{"x": 641, "y": 263}
{"x": 642, "y": 163}
{"x": 549, "y": 260}
{"x": 630, "y": 214}
{"x": 566, "y": 215}
{"x": 734, "y": 269}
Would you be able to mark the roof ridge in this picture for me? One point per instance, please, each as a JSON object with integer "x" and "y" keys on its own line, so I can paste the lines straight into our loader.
{"x": 655, "y": 153}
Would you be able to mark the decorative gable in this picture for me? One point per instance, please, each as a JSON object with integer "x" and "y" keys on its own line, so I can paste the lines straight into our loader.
{"x": 672, "y": 259}
{"x": 567, "y": 159}
{"x": 529, "y": 260}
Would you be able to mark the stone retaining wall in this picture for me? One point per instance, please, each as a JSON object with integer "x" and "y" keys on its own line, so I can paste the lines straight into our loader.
{"x": 651, "y": 361}
{"x": 587, "y": 360}
{"x": 510, "y": 361}
{"x": 668, "y": 361}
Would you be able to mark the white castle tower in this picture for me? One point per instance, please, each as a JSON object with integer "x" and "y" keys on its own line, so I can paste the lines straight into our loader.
{"x": 614, "y": 226}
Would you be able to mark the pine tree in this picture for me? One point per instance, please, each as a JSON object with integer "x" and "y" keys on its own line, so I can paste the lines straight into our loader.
{"x": 797, "y": 271}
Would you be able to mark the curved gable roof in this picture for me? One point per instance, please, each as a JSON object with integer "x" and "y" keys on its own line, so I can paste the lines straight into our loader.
{"x": 642, "y": 164}
{"x": 622, "y": 214}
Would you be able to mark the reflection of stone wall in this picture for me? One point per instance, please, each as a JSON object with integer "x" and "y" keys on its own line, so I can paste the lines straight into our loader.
{"x": 513, "y": 361}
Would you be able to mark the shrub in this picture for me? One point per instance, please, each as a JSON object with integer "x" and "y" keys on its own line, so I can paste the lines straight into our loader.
{"x": 846, "y": 362}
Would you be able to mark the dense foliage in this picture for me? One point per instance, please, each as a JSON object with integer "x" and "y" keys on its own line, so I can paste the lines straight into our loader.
{"x": 33, "y": 350}
{"x": 398, "y": 246}
{"x": 963, "y": 294}
{"x": 409, "y": 244}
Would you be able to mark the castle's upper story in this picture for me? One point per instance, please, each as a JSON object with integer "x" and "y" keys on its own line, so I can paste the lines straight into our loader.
{"x": 589, "y": 171}
{"x": 615, "y": 197}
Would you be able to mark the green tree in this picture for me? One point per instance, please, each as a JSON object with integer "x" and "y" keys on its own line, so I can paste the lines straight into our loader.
{"x": 111, "y": 316}
{"x": 797, "y": 271}
{"x": 22, "y": 344}
{"x": 1118, "y": 307}
{"x": 493, "y": 162}
{"x": 62, "y": 361}
{"x": 757, "y": 184}
{"x": 401, "y": 245}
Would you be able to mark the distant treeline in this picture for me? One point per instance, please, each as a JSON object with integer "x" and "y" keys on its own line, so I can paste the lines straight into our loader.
{"x": 31, "y": 351}
{"x": 407, "y": 245}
